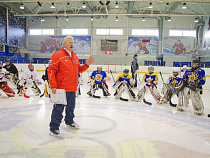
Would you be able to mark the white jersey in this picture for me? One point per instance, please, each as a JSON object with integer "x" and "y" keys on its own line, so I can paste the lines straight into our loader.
{"x": 29, "y": 76}
{"x": 4, "y": 75}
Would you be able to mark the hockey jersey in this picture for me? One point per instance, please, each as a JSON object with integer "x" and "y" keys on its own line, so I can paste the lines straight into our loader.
{"x": 193, "y": 77}
{"x": 98, "y": 76}
{"x": 29, "y": 76}
{"x": 4, "y": 75}
{"x": 150, "y": 77}
{"x": 172, "y": 81}
{"x": 124, "y": 79}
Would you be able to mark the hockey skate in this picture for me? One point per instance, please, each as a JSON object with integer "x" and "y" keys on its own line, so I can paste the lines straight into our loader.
{"x": 56, "y": 133}
{"x": 73, "y": 125}
{"x": 198, "y": 112}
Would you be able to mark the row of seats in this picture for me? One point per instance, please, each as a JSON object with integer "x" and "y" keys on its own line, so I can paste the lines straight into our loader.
{"x": 153, "y": 63}
{"x": 14, "y": 57}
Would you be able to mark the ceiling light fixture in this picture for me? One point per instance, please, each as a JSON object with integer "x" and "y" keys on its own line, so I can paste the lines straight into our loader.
{"x": 167, "y": 4}
{"x": 67, "y": 18}
{"x": 83, "y": 5}
{"x": 117, "y": 5}
{"x": 21, "y": 6}
{"x": 150, "y": 5}
{"x": 196, "y": 20}
{"x": 169, "y": 19}
{"x": 184, "y": 6}
{"x": 42, "y": 19}
{"x": 116, "y": 19}
{"x": 53, "y": 6}
{"x": 143, "y": 19}
{"x": 91, "y": 18}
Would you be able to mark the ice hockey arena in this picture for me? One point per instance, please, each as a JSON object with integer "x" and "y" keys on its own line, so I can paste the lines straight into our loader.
{"x": 104, "y": 79}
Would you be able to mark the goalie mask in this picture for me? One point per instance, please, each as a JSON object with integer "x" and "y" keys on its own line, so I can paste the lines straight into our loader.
{"x": 150, "y": 69}
{"x": 99, "y": 68}
{"x": 176, "y": 71}
{"x": 196, "y": 64}
{"x": 8, "y": 63}
{"x": 31, "y": 67}
{"x": 125, "y": 72}
{"x": 1, "y": 65}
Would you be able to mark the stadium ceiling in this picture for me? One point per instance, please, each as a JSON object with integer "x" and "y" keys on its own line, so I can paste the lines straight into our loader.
{"x": 139, "y": 8}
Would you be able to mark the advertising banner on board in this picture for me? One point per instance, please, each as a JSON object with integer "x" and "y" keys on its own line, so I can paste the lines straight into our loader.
{"x": 178, "y": 45}
{"x": 51, "y": 44}
{"x": 142, "y": 45}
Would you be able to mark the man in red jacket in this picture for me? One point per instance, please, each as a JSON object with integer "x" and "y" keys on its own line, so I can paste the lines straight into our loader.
{"x": 63, "y": 72}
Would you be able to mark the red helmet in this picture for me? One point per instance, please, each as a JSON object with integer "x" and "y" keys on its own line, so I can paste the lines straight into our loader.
{"x": 31, "y": 67}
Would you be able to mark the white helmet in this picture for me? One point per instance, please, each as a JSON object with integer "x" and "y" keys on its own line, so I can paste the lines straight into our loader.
{"x": 176, "y": 69}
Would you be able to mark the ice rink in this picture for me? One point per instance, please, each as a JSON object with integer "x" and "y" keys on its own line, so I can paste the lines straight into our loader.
{"x": 109, "y": 128}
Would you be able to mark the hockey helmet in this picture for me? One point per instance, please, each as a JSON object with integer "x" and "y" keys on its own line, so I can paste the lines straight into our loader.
{"x": 31, "y": 67}
{"x": 99, "y": 68}
{"x": 8, "y": 62}
{"x": 151, "y": 69}
{"x": 176, "y": 71}
{"x": 196, "y": 63}
{"x": 184, "y": 67}
{"x": 125, "y": 72}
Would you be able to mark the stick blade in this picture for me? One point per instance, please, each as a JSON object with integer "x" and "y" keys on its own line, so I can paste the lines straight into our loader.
{"x": 26, "y": 96}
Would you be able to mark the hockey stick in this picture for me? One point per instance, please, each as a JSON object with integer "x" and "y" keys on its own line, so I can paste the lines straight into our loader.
{"x": 24, "y": 94}
{"x": 146, "y": 102}
{"x": 123, "y": 99}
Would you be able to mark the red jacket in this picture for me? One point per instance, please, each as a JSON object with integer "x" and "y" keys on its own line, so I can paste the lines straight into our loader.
{"x": 63, "y": 70}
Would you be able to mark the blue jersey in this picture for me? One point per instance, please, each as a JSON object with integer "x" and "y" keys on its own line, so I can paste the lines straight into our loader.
{"x": 150, "y": 77}
{"x": 98, "y": 76}
{"x": 172, "y": 81}
{"x": 124, "y": 79}
{"x": 193, "y": 77}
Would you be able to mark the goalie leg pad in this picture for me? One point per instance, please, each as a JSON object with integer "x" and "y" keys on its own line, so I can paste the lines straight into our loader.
{"x": 35, "y": 88}
{"x": 197, "y": 102}
{"x": 117, "y": 84}
{"x": 119, "y": 91}
{"x": 129, "y": 91}
{"x": 7, "y": 90}
{"x": 141, "y": 94}
{"x": 105, "y": 89}
{"x": 155, "y": 94}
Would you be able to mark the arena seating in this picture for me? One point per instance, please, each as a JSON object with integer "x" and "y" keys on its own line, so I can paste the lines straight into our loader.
{"x": 14, "y": 57}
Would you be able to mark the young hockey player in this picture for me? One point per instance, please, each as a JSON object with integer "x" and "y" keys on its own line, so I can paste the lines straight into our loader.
{"x": 173, "y": 80}
{"x": 46, "y": 80}
{"x": 29, "y": 79}
{"x": 4, "y": 77}
{"x": 11, "y": 68}
{"x": 98, "y": 80}
{"x": 80, "y": 82}
{"x": 124, "y": 83}
{"x": 194, "y": 78}
{"x": 151, "y": 80}
{"x": 184, "y": 68}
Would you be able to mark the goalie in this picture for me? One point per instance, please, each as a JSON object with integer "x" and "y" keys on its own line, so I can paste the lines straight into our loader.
{"x": 194, "y": 78}
{"x": 98, "y": 80}
{"x": 123, "y": 83}
{"x": 4, "y": 77}
{"x": 80, "y": 82}
{"x": 150, "y": 81}
{"x": 170, "y": 85}
{"x": 29, "y": 80}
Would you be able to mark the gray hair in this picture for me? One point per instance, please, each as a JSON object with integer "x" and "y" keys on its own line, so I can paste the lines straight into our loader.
{"x": 66, "y": 38}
